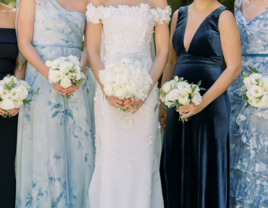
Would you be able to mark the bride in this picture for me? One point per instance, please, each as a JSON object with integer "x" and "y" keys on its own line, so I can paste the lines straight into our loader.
{"x": 126, "y": 172}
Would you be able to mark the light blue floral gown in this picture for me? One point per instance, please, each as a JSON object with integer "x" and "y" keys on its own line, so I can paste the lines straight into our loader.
{"x": 249, "y": 141}
{"x": 55, "y": 154}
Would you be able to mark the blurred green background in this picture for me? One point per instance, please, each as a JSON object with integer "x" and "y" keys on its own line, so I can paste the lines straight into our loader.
{"x": 175, "y": 4}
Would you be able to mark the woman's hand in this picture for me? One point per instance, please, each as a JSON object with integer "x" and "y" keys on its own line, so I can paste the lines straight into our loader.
{"x": 2, "y": 112}
{"x": 115, "y": 102}
{"x": 66, "y": 91}
{"x": 162, "y": 117}
{"x": 187, "y": 111}
{"x": 14, "y": 111}
{"x": 133, "y": 105}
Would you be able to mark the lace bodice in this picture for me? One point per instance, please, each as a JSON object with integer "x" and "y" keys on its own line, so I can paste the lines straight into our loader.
{"x": 127, "y": 29}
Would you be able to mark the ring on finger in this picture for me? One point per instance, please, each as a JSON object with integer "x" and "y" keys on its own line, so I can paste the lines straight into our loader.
{"x": 116, "y": 105}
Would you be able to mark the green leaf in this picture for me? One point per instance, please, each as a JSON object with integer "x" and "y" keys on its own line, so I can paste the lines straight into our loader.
{"x": 245, "y": 97}
{"x": 164, "y": 106}
{"x": 199, "y": 83}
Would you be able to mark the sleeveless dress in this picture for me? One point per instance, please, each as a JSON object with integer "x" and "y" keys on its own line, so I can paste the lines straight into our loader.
{"x": 55, "y": 154}
{"x": 127, "y": 171}
{"x": 8, "y": 126}
{"x": 195, "y": 156}
{"x": 249, "y": 132}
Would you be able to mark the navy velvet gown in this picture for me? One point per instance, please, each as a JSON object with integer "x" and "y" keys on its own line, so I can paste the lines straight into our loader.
{"x": 8, "y": 126}
{"x": 195, "y": 157}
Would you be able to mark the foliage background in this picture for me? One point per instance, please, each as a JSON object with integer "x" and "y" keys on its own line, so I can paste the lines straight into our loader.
{"x": 175, "y": 4}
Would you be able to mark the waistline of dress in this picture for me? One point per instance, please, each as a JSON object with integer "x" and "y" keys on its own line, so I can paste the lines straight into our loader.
{"x": 56, "y": 45}
{"x": 255, "y": 54}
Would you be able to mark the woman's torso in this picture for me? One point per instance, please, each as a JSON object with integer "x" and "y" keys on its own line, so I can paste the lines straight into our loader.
{"x": 8, "y": 51}
{"x": 128, "y": 30}
{"x": 204, "y": 58}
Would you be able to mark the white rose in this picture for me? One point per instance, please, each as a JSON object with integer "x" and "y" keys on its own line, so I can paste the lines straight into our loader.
{"x": 264, "y": 102}
{"x": 49, "y": 63}
{"x": 1, "y": 90}
{"x": 184, "y": 99}
{"x": 65, "y": 82}
{"x": 7, "y": 104}
{"x": 65, "y": 67}
{"x": 131, "y": 86}
{"x": 15, "y": 93}
{"x": 18, "y": 103}
{"x": 171, "y": 97}
{"x": 78, "y": 76}
{"x": 197, "y": 89}
{"x": 254, "y": 76}
{"x": 6, "y": 95}
{"x": 55, "y": 76}
{"x": 73, "y": 59}
{"x": 173, "y": 83}
{"x": 176, "y": 78}
{"x": 109, "y": 66}
{"x": 256, "y": 91}
{"x": 121, "y": 70}
{"x": 25, "y": 84}
{"x": 265, "y": 85}
{"x": 197, "y": 99}
{"x": 107, "y": 76}
{"x": 247, "y": 82}
{"x": 108, "y": 89}
{"x": 166, "y": 87}
{"x": 23, "y": 93}
{"x": 121, "y": 79}
{"x": 183, "y": 87}
{"x": 126, "y": 61}
{"x": 7, "y": 80}
{"x": 250, "y": 97}
{"x": 71, "y": 75}
{"x": 255, "y": 103}
{"x": 2, "y": 82}
{"x": 140, "y": 94}
{"x": 120, "y": 91}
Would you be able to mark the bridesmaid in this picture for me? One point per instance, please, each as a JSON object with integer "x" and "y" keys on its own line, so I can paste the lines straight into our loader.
{"x": 55, "y": 145}
{"x": 249, "y": 134}
{"x": 195, "y": 157}
{"x": 8, "y": 126}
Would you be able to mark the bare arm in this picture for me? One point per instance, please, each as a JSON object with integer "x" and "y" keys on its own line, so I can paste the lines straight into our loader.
{"x": 93, "y": 36}
{"x": 25, "y": 33}
{"x": 84, "y": 58}
{"x": 169, "y": 69}
{"x": 162, "y": 48}
{"x": 230, "y": 41}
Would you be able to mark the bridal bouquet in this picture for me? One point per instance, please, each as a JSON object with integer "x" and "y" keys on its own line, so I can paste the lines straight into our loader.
{"x": 13, "y": 93}
{"x": 65, "y": 71}
{"x": 126, "y": 79}
{"x": 255, "y": 90}
{"x": 178, "y": 92}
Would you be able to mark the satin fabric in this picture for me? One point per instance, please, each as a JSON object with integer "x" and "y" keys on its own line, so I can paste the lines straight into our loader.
{"x": 8, "y": 126}
{"x": 195, "y": 157}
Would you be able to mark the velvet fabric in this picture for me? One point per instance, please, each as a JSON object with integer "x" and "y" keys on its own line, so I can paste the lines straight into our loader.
{"x": 8, "y": 126}
{"x": 195, "y": 157}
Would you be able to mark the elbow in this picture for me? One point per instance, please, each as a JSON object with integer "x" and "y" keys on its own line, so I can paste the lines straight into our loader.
{"x": 238, "y": 70}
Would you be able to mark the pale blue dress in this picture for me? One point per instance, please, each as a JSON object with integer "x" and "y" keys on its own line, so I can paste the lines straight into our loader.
{"x": 55, "y": 152}
{"x": 249, "y": 128}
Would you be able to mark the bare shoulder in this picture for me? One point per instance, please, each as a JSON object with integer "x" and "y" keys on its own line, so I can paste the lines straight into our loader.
{"x": 8, "y": 15}
{"x": 96, "y": 2}
{"x": 226, "y": 16}
{"x": 158, "y": 3}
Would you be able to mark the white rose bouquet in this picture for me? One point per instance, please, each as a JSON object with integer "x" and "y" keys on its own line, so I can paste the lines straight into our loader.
{"x": 126, "y": 79}
{"x": 13, "y": 93}
{"x": 255, "y": 90}
{"x": 178, "y": 92}
{"x": 65, "y": 71}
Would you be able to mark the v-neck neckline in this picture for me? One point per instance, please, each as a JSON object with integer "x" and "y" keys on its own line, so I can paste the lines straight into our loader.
{"x": 185, "y": 26}
{"x": 256, "y": 17}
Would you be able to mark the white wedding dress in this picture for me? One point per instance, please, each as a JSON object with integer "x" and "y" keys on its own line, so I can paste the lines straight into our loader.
{"x": 127, "y": 172}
